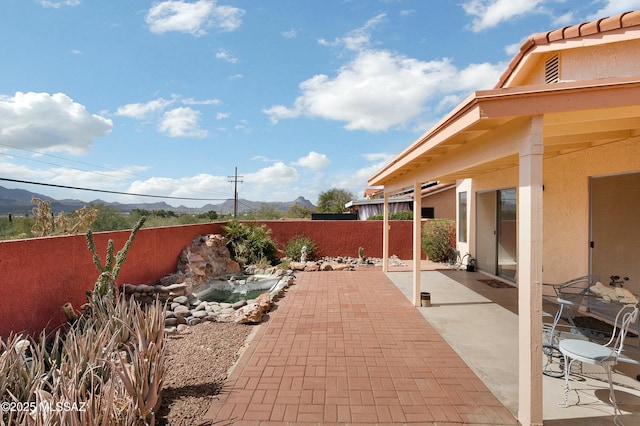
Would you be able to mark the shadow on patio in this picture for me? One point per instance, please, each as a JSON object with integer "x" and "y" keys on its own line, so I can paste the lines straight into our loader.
{"x": 480, "y": 323}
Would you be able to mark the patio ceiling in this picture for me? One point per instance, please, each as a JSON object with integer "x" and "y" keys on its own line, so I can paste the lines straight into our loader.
{"x": 482, "y": 134}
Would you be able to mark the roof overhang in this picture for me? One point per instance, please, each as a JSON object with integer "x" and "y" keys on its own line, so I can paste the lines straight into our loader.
{"x": 355, "y": 203}
{"x": 482, "y": 133}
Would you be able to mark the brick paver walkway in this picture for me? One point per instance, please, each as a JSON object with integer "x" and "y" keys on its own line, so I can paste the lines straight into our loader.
{"x": 348, "y": 347}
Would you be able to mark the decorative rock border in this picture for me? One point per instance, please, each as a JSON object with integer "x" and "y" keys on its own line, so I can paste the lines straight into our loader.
{"x": 185, "y": 310}
{"x": 341, "y": 263}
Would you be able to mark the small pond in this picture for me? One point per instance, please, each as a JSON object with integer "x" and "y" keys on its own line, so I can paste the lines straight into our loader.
{"x": 226, "y": 296}
{"x": 241, "y": 288}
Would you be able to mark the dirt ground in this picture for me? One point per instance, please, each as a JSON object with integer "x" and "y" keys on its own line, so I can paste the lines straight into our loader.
{"x": 197, "y": 363}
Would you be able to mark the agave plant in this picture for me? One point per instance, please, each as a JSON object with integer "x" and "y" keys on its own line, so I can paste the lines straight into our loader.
{"x": 143, "y": 375}
{"x": 106, "y": 369}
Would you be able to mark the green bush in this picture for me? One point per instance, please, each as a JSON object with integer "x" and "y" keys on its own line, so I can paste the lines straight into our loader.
{"x": 438, "y": 237}
{"x": 402, "y": 215}
{"x": 250, "y": 244}
{"x": 294, "y": 247}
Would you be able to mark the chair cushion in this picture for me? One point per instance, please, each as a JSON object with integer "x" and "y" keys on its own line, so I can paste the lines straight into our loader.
{"x": 587, "y": 351}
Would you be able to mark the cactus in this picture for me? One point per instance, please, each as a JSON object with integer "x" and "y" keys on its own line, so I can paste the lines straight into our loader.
{"x": 361, "y": 256}
{"x": 106, "y": 287}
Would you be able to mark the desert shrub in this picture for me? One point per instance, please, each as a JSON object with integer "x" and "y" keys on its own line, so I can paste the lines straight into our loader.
{"x": 250, "y": 244}
{"x": 107, "y": 368}
{"x": 401, "y": 215}
{"x": 294, "y": 246}
{"x": 438, "y": 237}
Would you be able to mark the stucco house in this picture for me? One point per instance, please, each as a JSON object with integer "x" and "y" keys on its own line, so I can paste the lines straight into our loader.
{"x": 547, "y": 172}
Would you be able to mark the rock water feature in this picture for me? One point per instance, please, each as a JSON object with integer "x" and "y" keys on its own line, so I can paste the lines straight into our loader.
{"x": 204, "y": 268}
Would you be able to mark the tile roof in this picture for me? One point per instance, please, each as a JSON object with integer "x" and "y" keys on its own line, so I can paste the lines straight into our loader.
{"x": 598, "y": 26}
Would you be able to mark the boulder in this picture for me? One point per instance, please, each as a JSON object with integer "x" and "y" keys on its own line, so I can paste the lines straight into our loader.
{"x": 311, "y": 267}
{"x": 206, "y": 258}
{"x": 297, "y": 266}
{"x": 253, "y": 313}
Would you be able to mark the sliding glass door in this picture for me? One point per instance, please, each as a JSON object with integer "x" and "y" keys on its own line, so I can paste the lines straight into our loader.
{"x": 507, "y": 231}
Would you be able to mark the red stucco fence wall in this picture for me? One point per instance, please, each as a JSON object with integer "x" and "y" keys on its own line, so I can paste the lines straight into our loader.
{"x": 38, "y": 276}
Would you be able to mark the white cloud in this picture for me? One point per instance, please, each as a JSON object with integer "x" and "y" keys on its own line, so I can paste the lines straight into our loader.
{"x": 270, "y": 183}
{"x": 242, "y": 125}
{"x": 564, "y": 20}
{"x": 198, "y": 186}
{"x": 313, "y": 161}
{"x": 182, "y": 122}
{"x": 359, "y": 38}
{"x": 379, "y": 90}
{"x": 141, "y": 111}
{"x": 477, "y": 76}
{"x": 490, "y": 13}
{"x": 57, "y": 4}
{"x": 110, "y": 180}
{"x": 192, "y": 17}
{"x": 226, "y": 56}
{"x": 292, "y": 33}
{"x": 276, "y": 173}
{"x": 512, "y": 49}
{"x": 45, "y": 122}
{"x": 191, "y": 101}
{"x": 614, "y": 7}
{"x": 222, "y": 115}
{"x": 378, "y": 157}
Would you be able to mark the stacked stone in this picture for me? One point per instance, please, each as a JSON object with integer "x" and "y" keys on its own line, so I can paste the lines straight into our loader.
{"x": 146, "y": 294}
{"x": 183, "y": 311}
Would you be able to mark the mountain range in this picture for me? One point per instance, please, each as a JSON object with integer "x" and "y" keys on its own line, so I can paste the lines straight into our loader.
{"x": 18, "y": 202}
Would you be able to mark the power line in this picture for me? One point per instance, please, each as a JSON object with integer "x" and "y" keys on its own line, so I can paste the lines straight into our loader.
{"x": 110, "y": 192}
{"x": 79, "y": 162}
{"x": 54, "y": 164}
{"x": 66, "y": 159}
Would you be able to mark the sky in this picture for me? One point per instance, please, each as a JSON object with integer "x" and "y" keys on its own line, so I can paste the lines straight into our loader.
{"x": 170, "y": 98}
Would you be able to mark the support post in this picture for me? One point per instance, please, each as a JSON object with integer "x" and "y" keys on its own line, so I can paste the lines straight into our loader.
{"x": 530, "y": 275}
{"x": 385, "y": 234}
{"x": 417, "y": 241}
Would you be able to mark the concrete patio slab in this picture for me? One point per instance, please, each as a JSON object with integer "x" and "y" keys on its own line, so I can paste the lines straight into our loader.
{"x": 480, "y": 323}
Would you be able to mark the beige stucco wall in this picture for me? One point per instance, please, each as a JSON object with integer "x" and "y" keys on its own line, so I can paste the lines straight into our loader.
{"x": 443, "y": 203}
{"x": 611, "y": 60}
{"x": 566, "y": 202}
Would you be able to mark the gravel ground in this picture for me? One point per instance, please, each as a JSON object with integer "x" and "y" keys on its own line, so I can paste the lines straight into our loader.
{"x": 197, "y": 363}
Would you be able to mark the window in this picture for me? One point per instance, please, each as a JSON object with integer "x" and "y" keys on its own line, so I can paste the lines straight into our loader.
{"x": 428, "y": 213}
{"x": 462, "y": 217}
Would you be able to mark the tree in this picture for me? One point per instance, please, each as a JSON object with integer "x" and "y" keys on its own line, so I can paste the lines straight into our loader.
{"x": 299, "y": 212}
{"x": 333, "y": 200}
{"x": 265, "y": 212}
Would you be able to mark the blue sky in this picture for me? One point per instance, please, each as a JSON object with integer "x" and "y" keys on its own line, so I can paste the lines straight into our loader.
{"x": 168, "y": 97}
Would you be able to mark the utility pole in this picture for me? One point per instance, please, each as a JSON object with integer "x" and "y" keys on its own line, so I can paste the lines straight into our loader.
{"x": 235, "y": 181}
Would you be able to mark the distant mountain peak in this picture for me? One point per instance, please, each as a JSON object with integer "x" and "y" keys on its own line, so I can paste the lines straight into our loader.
{"x": 18, "y": 201}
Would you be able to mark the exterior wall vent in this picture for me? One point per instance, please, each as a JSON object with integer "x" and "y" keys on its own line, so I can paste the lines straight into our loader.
{"x": 552, "y": 70}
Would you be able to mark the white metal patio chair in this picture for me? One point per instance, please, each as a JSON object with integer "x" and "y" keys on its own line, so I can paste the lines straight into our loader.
{"x": 606, "y": 355}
